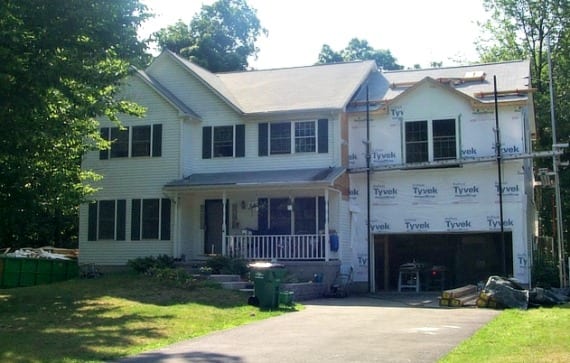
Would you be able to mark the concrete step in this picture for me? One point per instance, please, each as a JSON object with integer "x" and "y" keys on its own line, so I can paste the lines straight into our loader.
{"x": 225, "y": 278}
{"x": 235, "y": 285}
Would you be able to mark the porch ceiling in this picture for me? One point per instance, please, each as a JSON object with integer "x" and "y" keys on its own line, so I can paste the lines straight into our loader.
{"x": 260, "y": 178}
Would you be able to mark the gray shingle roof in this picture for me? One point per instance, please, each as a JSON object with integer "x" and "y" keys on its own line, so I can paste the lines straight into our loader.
{"x": 320, "y": 87}
{"x": 325, "y": 176}
{"x": 475, "y": 82}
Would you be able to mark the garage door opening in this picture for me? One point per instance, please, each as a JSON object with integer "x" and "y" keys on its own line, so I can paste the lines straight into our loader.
{"x": 466, "y": 257}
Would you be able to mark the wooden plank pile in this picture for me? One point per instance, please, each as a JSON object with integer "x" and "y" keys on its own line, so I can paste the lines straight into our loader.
{"x": 462, "y": 296}
{"x": 487, "y": 300}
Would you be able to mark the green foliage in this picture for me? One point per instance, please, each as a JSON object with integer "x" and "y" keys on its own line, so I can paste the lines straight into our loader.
{"x": 145, "y": 264}
{"x": 545, "y": 273}
{"x": 220, "y": 38}
{"x": 180, "y": 278}
{"x": 521, "y": 29}
{"x": 359, "y": 50}
{"x": 227, "y": 265}
{"x": 60, "y": 66}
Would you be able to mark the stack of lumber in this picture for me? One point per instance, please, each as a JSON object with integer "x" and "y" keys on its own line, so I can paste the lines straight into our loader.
{"x": 461, "y": 296}
{"x": 487, "y": 300}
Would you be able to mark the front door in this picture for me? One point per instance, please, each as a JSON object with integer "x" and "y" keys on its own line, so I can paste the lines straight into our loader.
{"x": 213, "y": 211}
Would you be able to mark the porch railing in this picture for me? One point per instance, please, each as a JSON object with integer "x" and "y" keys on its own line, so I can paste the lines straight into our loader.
{"x": 277, "y": 247}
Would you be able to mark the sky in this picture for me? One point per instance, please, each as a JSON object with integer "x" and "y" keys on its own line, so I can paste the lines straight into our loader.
{"x": 415, "y": 31}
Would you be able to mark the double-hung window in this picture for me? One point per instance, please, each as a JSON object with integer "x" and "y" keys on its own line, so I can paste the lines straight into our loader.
{"x": 150, "y": 219}
{"x": 290, "y": 137}
{"x": 430, "y": 140}
{"x": 106, "y": 220}
{"x": 223, "y": 141}
{"x": 305, "y": 137}
{"x": 132, "y": 141}
{"x": 280, "y": 138}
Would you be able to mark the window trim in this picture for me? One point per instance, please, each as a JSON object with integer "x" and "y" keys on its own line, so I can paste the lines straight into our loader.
{"x": 431, "y": 141}
{"x": 154, "y": 145}
{"x": 162, "y": 215}
{"x": 119, "y": 220}
{"x": 209, "y": 142}
{"x": 320, "y": 137}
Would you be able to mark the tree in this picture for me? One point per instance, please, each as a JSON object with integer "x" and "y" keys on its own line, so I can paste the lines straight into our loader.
{"x": 61, "y": 62}
{"x": 520, "y": 29}
{"x": 220, "y": 38}
{"x": 359, "y": 50}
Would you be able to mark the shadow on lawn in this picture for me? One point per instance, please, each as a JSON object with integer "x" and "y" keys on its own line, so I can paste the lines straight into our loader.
{"x": 68, "y": 320}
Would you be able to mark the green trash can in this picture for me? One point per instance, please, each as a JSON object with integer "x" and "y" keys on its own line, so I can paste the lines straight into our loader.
{"x": 266, "y": 277}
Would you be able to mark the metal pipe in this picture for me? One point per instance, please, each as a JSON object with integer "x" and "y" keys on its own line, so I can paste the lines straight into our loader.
{"x": 368, "y": 157}
{"x": 559, "y": 230}
{"x": 499, "y": 172}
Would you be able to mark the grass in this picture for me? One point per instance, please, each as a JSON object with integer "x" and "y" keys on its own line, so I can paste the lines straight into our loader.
{"x": 535, "y": 335}
{"x": 110, "y": 317}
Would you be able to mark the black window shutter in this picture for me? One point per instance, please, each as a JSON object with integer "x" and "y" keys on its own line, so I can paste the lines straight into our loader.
{"x": 92, "y": 222}
{"x": 104, "y": 154}
{"x": 157, "y": 140}
{"x": 323, "y": 142}
{"x": 165, "y": 220}
{"x": 207, "y": 142}
{"x": 136, "y": 220}
{"x": 262, "y": 215}
{"x": 240, "y": 141}
{"x": 121, "y": 219}
{"x": 263, "y": 138}
{"x": 321, "y": 212}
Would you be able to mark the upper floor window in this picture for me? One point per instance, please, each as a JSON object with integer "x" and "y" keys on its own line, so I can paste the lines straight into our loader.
{"x": 132, "y": 141}
{"x": 299, "y": 136}
{"x": 430, "y": 140}
{"x": 280, "y": 138}
{"x": 305, "y": 137}
{"x": 223, "y": 141}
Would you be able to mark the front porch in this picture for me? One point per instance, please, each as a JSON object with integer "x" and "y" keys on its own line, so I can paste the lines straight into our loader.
{"x": 306, "y": 247}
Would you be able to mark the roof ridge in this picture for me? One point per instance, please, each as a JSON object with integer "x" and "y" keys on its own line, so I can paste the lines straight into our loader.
{"x": 295, "y": 67}
{"x": 455, "y": 67}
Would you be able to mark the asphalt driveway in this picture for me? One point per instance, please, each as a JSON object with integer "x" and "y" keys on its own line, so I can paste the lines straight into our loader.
{"x": 388, "y": 328}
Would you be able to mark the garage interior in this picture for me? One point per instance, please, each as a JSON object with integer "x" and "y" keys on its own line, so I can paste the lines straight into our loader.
{"x": 447, "y": 260}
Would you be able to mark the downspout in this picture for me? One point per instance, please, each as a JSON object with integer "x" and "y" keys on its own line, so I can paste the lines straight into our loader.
{"x": 368, "y": 157}
{"x": 498, "y": 152}
{"x": 327, "y": 233}
{"x": 224, "y": 206}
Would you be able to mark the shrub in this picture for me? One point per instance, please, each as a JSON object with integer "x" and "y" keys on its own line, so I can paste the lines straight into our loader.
{"x": 227, "y": 265}
{"x": 545, "y": 273}
{"x": 179, "y": 277}
{"x": 144, "y": 264}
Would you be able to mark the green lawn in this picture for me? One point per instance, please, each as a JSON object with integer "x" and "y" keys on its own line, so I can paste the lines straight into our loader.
{"x": 110, "y": 317}
{"x": 535, "y": 335}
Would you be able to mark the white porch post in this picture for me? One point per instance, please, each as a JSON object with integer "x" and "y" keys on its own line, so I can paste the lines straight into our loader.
{"x": 176, "y": 243}
{"x": 224, "y": 252}
{"x": 327, "y": 248}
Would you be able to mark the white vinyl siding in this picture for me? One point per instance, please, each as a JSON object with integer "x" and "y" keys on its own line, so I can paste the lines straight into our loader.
{"x": 132, "y": 178}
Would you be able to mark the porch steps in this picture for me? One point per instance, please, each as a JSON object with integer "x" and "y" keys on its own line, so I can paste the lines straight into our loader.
{"x": 230, "y": 282}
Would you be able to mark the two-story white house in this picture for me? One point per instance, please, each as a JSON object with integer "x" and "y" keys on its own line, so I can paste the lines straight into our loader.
{"x": 271, "y": 165}
{"x": 247, "y": 164}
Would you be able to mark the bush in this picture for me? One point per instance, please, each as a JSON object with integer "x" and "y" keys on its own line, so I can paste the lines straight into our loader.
{"x": 144, "y": 264}
{"x": 545, "y": 273}
{"x": 227, "y": 265}
{"x": 178, "y": 277}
